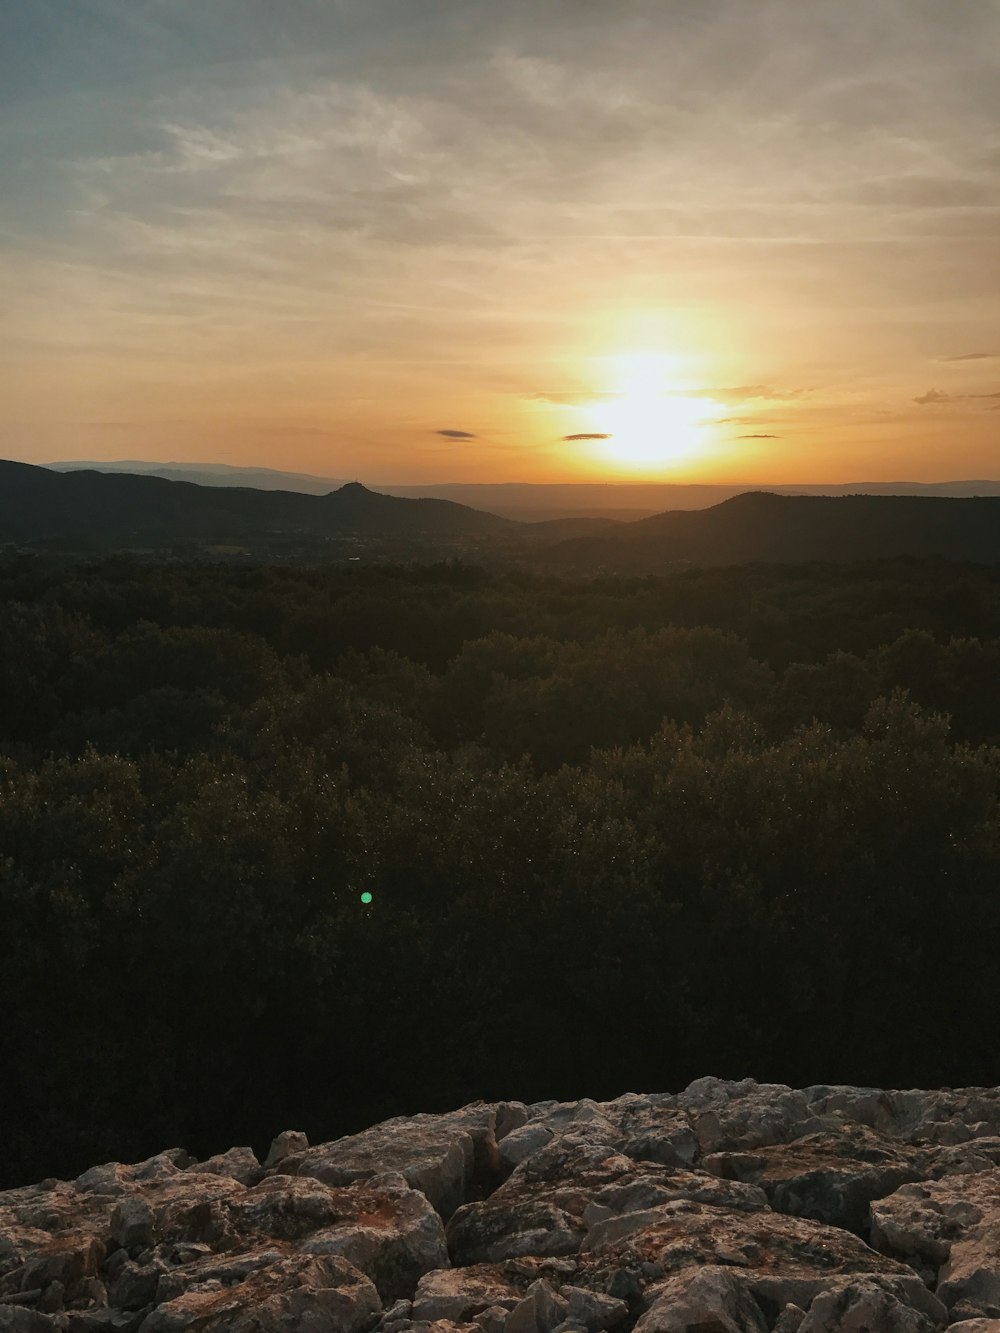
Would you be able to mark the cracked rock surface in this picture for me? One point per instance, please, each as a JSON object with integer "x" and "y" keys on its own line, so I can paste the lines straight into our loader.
{"x": 730, "y": 1207}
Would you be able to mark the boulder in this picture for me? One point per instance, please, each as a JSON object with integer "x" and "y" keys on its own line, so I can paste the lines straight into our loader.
{"x": 239, "y": 1163}
{"x": 443, "y": 1156}
{"x": 540, "y": 1310}
{"x": 320, "y": 1293}
{"x": 952, "y": 1226}
{"x": 700, "y": 1300}
{"x": 555, "y": 1197}
{"x": 780, "y": 1260}
{"x": 459, "y": 1294}
{"x": 289, "y": 1143}
{"x": 393, "y": 1236}
{"x": 830, "y": 1176}
{"x": 862, "y": 1306}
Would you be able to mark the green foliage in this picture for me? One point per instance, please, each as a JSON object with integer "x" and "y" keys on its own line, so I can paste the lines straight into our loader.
{"x": 617, "y": 834}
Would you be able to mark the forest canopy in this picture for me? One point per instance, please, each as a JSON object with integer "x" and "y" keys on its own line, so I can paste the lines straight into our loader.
{"x": 615, "y": 833}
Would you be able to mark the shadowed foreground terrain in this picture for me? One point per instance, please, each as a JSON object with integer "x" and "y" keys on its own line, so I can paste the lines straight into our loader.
{"x": 614, "y": 832}
{"x": 727, "y": 1208}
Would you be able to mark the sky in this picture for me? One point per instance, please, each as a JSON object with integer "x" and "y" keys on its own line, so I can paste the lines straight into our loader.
{"x": 422, "y": 241}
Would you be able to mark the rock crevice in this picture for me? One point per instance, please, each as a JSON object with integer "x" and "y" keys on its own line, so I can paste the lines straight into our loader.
{"x": 730, "y": 1207}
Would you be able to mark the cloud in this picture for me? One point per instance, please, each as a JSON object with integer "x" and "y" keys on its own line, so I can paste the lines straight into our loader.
{"x": 981, "y": 395}
{"x": 587, "y": 435}
{"x": 457, "y": 434}
{"x": 760, "y": 437}
{"x": 933, "y": 396}
{"x": 741, "y": 393}
{"x": 916, "y": 192}
{"x": 971, "y": 356}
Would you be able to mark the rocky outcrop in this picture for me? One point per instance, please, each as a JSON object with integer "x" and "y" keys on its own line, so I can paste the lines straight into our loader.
{"x": 730, "y": 1207}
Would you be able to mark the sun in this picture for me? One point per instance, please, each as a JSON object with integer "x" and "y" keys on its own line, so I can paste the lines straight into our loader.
{"x": 648, "y": 422}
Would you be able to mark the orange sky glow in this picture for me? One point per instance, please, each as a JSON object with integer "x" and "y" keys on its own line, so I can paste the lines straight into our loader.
{"x": 471, "y": 242}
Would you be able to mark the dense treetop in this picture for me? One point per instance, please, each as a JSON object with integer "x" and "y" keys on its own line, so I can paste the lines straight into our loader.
{"x": 617, "y": 833}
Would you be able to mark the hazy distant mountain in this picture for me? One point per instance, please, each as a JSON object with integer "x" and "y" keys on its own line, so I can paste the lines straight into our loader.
{"x": 533, "y": 502}
{"x": 118, "y": 509}
{"x": 768, "y": 527}
{"x": 38, "y": 504}
{"x": 214, "y": 474}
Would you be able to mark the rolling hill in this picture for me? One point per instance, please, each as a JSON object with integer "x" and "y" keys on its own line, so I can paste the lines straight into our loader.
{"x": 95, "y": 510}
{"x": 762, "y": 526}
{"x": 529, "y": 502}
{"x": 37, "y": 504}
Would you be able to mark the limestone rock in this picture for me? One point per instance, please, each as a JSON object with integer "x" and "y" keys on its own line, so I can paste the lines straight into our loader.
{"x": 781, "y": 1260}
{"x": 289, "y": 1143}
{"x": 239, "y": 1163}
{"x": 705, "y": 1299}
{"x": 539, "y": 1311}
{"x": 440, "y": 1155}
{"x": 830, "y": 1176}
{"x": 862, "y": 1306}
{"x": 132, "y": 1223}
{"x": 309, "y": 1291}
{"x": 460, "y": 1294}
{"x": 555, "y": 1197}
{"x": 388, "y": 1232}
{"x": 732, "y": 1205}
{"x": 592, "y": 1309}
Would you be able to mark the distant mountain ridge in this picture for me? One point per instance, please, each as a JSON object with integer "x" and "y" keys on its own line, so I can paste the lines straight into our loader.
{"x": 763, "y": 526}
{"x": 528, "y": 501}
{"x": 123, "y": 510}
{"x": 37, "y": 503}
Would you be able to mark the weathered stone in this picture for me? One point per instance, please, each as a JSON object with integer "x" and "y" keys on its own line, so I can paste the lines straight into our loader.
{"x": 604, "y": 1218}
{"x": 539, "y": 1311}
{"x": 592, "y": 1309}
{"x": 106, "y": 1320}
{"x": 491, "y": 1320}
{"x": 52, "y": 1298}
{"x": 460, "y": 1294}
{"x": 132, "y": 1223}
{"x": 66, "y": 1259}
{"x": 289, "y": 1143}
{"x": 790, "y": 1320}
{"x": 782, "y": 1260}
{"x": 861, "y": 1306}
{"x": 239, "y": 1163}
{"x": 829, "y": 1177}
{"x": 556, "y": 1196}
{"x": 17, "y": 1319}
{"x": 390, "y": 1233}
{"x": 325, "y": 1294}
{"x": 135, "y": 1286}
{"x": 439, "y": 1155}
{"x": 953, "y": 1224}
{"x": 521, "y": 1143}
{"x": 705, "y": 1300}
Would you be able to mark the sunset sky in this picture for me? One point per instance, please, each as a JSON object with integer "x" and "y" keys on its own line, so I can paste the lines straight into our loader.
{"x": 433, "y": 240}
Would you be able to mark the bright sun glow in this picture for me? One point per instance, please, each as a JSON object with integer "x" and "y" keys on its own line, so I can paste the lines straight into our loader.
{"x": 649, "y": 423}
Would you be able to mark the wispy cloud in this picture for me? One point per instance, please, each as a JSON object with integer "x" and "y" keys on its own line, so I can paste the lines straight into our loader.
{"x": 938, "y": 396}
{"x": 588, "y": 435}
{"x": 337, "y": 206}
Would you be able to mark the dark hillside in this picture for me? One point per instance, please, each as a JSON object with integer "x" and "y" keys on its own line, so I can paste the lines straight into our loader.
{"x": 760, "y": 526}
{"x": 37, "y": 504}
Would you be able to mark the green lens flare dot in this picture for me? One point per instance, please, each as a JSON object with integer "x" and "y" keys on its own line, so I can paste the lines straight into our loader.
{"x": 366, "y": 897}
